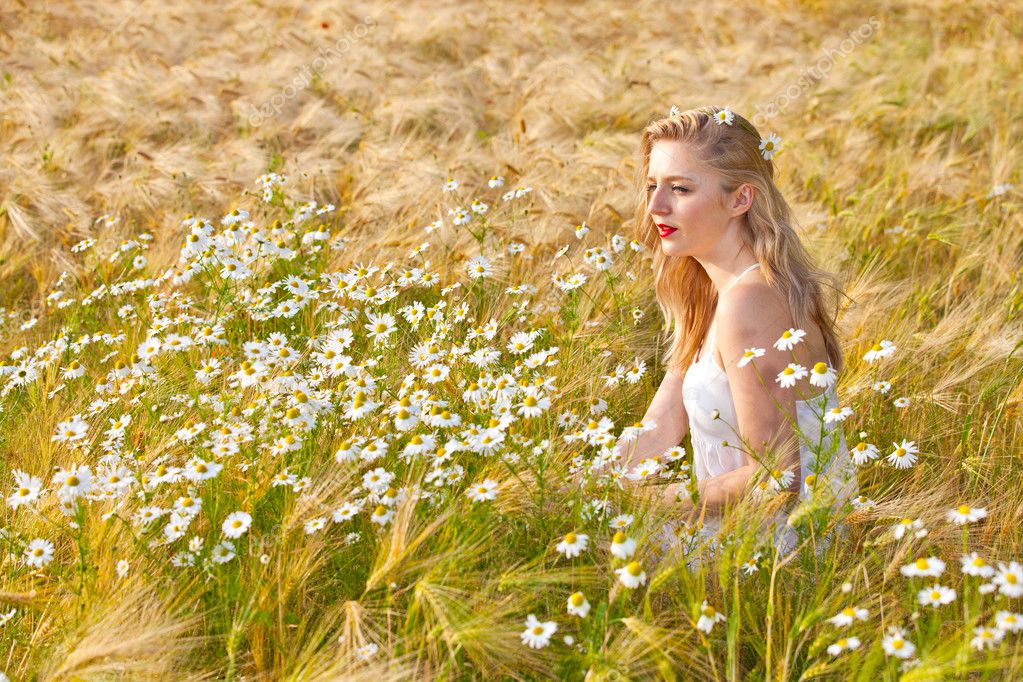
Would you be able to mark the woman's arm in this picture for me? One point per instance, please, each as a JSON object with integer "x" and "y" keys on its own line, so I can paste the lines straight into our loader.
{"x": 764, "y": 410}
{"x": 668, "y": 412}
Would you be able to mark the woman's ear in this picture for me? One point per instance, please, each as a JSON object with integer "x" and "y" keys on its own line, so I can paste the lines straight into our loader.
{"x": 743, "y": 199}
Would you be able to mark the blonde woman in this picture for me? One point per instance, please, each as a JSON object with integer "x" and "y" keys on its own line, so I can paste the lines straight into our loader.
{"x": 748, "y": 314}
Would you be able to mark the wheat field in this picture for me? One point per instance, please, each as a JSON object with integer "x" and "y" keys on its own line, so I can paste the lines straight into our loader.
{"x": 313, "y": 313}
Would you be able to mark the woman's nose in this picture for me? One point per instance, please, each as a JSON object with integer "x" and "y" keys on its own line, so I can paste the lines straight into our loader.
{"x": 658, "y": 206}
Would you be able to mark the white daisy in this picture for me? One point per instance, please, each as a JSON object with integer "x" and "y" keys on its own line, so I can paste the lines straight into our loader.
{"x": 974, "y": 564}
{"x": 769, "y": 146}
{"x": 381, "y": 515}
{"x": 789, "y": 338}
{"x": 38, "y": 553}
{"x": 621, "y": 546}
{"x": 936, "y": 595}
{"x": 749, "y": 354}
{"x": 537, "y": 635}
{"x": 577, "y": 605}
{"x": 573, "y": 544}
{"x": 863, "y": 452}
{"x": 964, "y": 514}
{"x": 787, "y": 377}
{"x": 846, "y": 616}
{"x": 837, "y": 414}
{"x": 904, "y": 454}
{"x": 862, "y": 502}
{"x": 483, "y": 492}
{"x": 1009, "y": 579}
{"x": 708, "y": 616}
{"x": 781, "y": 480}
{"x": 632, "y": 575}
{"x": 896, "y": 644}
{"x": 479, "y": 267}
{"x": 930, "y": 567}
{"x": 725, "y": 116}
{"x": 223, "y": 552}
{"x": 1008, "y": 621}
{"x": 823, "y": 375}
{"x": 843, "y": 644}
{"x": 985, "y": 637}
{"x": 879, "y": 350}
{"x": 904, "y": 525}
{"x": 236, "y": 524}
{"x": 621, "y": 521}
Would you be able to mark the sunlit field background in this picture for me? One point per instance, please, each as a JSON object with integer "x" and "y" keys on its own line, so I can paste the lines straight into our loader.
{"x": 263, "y": 428}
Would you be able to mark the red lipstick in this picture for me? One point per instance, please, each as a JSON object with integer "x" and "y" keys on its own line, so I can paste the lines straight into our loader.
{"x": 665, "y": 230}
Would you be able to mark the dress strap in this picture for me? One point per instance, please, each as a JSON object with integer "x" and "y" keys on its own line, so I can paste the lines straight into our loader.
{"x": 755, "y": 265}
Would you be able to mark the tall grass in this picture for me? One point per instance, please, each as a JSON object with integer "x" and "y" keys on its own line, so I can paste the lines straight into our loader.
{"x": 121, "y": 121}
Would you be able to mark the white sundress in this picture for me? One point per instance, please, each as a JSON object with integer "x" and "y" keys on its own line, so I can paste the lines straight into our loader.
{"x": 705, "y": 389}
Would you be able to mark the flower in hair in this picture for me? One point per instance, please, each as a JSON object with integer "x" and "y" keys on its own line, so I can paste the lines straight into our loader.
{"x": 724, "y": 116}
{"x": 769, "y": 145}
{"x": 674, "y": 111}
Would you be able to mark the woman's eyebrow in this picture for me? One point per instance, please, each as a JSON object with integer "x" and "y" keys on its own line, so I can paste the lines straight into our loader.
{"x": 675, "y": 177}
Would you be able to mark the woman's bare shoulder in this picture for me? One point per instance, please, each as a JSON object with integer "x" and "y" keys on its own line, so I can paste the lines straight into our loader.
{"x": 754, "y": 303}
{"x": 757, "y": 310}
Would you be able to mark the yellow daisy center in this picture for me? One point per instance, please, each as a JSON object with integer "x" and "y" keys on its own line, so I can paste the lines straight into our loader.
{"x": 634, "y": 568}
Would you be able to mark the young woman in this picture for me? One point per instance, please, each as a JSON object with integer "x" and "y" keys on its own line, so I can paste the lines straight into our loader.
{"x": 749, "y": 319}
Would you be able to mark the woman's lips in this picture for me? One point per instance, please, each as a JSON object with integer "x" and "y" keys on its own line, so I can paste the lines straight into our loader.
{"x": 665, "y": 230}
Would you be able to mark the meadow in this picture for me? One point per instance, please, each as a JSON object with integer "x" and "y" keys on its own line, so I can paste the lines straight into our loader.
{"x": 323, "y": 328}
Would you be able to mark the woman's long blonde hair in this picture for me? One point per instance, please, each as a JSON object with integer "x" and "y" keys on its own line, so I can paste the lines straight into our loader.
{"x": 684, "y": 292}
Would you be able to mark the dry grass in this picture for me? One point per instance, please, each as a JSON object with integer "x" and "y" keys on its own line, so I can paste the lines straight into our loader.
{"x": 145, "y": 111}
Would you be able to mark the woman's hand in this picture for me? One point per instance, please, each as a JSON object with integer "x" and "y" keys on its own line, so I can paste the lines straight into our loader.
{"x": 672, "y": 500}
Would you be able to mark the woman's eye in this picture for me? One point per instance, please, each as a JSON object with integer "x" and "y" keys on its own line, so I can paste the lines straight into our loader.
{"x": 651, "y": 188}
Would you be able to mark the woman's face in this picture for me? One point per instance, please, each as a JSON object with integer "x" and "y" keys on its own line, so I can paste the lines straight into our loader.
{"x": 686, "y": 195}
